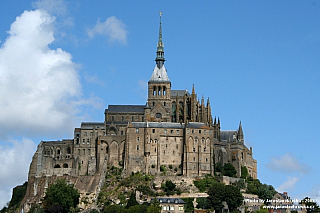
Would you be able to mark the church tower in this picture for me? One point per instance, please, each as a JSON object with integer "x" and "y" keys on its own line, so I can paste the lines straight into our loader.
{"x": 159, "y": 87}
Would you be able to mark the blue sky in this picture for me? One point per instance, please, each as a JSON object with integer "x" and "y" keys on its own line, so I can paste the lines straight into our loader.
{"x": 63, "y": 62}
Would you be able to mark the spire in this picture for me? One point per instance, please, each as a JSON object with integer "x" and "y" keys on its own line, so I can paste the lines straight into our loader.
{"x": 160, "y": 53}
{"x": 193, "y": 89}
{"x": 240, "y": 133}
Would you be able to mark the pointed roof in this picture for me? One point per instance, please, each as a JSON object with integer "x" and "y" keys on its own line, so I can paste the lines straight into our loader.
{"x": 160, "y": 46}
{"x": 159, "y": 72}
{"x": 159, "y": 75}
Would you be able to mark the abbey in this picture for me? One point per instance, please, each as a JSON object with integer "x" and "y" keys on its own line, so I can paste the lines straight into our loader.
{"x": 172, "y": 130}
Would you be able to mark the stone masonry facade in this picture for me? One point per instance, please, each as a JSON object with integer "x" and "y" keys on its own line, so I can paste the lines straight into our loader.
{"x": 172, "y": 129}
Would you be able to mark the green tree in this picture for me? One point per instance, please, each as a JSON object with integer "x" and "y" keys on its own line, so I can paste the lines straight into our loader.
{"x": 114, "y": 209}
{"x": 202, "y": 203}
{"x": 169, "y": 187}
{"x": 216, "y": 196}
{"x": 138, "y": 208}
{"x": 311, "y": 205}
{"x": 154, "y": 206}
{"x": 219, "y": 192}
{"x": 60, "y": 197}
{"x": 229, "y": 170}
{"x": 132, "y": 200}
{"x": 233, "y": 197}
{"x": 244, "y": 172}
{"x": 205, "y": 183}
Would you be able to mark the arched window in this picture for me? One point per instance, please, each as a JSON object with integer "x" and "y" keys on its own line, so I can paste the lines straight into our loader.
{"x": 58, "y": 152}
{"x": 68, "y": 150}
{"x": 164, "y": 91}
{"x": 65, "y": 165}
{"x": 57, "y": 166}
{"x": 107, "y": 149}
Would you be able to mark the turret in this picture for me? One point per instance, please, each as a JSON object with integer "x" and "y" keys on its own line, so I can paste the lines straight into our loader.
{"x": 240, "y": 135}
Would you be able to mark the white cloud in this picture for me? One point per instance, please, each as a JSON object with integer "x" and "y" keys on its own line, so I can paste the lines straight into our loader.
{"x": 15, "y": 159}
{"x": 288, "y": 163}
{"x": 57, "y": 7}
{"x": 288, "y": 184}
{"x": 39, "y": 87}
{"x": 112, "y": 28}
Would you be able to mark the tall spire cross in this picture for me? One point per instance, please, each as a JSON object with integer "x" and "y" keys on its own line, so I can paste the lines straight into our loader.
{"x": 160, "y": 53}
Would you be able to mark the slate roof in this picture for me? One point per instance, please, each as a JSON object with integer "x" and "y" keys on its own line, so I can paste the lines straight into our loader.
{"x": 170, "y": 200}
{"x": 158, "y": 125}
{"x": 180, "y": 93}
{"x": 125, "y": 108}
{"x": 159, "y": 75}
{"x": 226, "y": 135}
{"x": 194, "y": 125}
{"x": 90, "y": 125}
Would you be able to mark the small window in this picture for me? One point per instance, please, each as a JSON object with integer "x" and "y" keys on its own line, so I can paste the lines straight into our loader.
{"x": 122, "y": 118}
{"x": 165, "y": 131}
{"x": 85, "y": 133}
{"x": 137, "y": 130}
{"x": 138, "y": 139}
{"x": 137, "y": 147}
{"x": 121, "y": 132}
{"x": 88, "y": 140}
{"x": 177, "y": 132}
{"x": 112, "y": 118}
{"x": 204, "y": 131}
{"x": 153, "y": 130}
{"x": 188, "y": 130}
{"x": 58, "y": 151}
{"x": 171, "y": 131}
{"x": 164, "y": 103}
{"x": 132, "y": 119}
{"x": 194, "y": 149}
{"x": 199, "y": 131}
{"x": 193, "y": 131}
{"x": 83, "y": 140}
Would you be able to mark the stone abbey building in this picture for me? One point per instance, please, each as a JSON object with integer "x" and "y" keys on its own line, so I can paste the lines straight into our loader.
{"x": 173, "y": 129}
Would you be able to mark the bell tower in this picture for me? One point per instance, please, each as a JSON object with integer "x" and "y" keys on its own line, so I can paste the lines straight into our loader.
{"x": 159, "y": 86}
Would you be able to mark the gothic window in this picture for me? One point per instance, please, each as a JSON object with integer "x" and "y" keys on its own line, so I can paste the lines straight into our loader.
{"x": 58, "y": 152}
{"x": 68, "y": 150}
{"x": 159, "y": 90}
{"x": 154, "y": 91}
{"x": 107, "y": 149}
{"x": 164, "y": 90}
